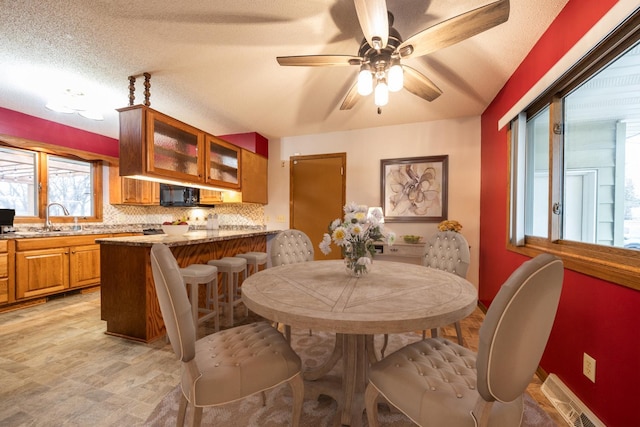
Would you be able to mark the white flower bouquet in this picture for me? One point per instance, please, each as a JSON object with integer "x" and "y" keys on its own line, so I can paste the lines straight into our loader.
{"x": 356, "y": 235}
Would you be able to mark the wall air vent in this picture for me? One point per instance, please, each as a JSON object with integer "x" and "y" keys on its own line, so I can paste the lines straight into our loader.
{"x": 574, "y": 412}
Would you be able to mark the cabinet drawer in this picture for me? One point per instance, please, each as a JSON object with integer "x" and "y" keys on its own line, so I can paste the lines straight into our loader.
{"x": 3, "y": 245}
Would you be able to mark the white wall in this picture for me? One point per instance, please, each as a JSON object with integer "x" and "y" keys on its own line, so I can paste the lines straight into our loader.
{"x": 458, "y": 138}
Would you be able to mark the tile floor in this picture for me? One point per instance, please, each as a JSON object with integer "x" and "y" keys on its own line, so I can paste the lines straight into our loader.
{"x": 57, "y": 367}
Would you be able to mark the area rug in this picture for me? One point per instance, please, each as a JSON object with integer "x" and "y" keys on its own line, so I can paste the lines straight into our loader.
{"x": 313, "y": 349}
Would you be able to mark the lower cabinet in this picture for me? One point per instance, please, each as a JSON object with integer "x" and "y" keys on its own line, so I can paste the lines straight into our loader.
{"x": 4, "y": 272}
{"x": 49, "y": 265}
{"x": 41, "y": 272}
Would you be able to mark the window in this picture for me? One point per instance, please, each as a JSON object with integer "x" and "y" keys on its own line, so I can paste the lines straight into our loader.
{"x": 30, "y": 180}
{"x": 575, "y": 185}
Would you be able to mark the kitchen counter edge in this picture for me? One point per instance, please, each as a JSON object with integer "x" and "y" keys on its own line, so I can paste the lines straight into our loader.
{"x": 190, "y": 238}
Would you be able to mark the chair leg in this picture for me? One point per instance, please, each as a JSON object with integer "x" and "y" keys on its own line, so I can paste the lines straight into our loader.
{"x": 434, "y": 333}
{"x": 458, "y": 332}
{"x": 371, "y": 405}
{"x": 384, "y": 345}
{"x": 197, "y": 416}
{"x": 297, "y": 389}
{"x": 287, "y": 333}
{"x": 182, "y": 410}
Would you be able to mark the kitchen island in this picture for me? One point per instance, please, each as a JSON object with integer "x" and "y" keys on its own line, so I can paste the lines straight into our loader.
{"x": 129, "y": 303}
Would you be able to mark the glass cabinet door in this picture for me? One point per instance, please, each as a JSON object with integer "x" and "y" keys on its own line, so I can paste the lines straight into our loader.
{"x": 222, "y": 163}
{"x": 175, "y": 148}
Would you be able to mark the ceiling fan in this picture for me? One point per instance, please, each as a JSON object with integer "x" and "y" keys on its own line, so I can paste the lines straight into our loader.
{"x": 382, "y": 50}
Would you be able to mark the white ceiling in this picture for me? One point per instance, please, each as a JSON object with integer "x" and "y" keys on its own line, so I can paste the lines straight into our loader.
{"x": 213, "y": 63}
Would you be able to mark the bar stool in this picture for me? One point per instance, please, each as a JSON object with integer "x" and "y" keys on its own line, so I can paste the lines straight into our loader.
{"x": 231, "y": 267}
{"x": 200, "y": 274}
{"x": 255, "y": 259}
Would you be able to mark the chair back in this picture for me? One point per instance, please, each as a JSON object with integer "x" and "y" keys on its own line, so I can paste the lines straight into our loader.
{"x": 516, "y": 328}
{"x": 448, "y": 251}
{"x": 174, "y": 303}
{"x": 290, "y": 247}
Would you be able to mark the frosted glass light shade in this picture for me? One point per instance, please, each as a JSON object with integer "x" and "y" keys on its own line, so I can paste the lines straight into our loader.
{"x": 381, "y": 96}
{"x": 396, "y": 78}
{"x": 365, "y": 82}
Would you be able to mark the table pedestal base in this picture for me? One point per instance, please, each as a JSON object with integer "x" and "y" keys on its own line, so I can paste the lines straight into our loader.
{"x": 357, "y": 353}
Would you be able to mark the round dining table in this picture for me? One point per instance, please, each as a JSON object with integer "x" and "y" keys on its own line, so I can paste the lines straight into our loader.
{"x": 392, "y": 298}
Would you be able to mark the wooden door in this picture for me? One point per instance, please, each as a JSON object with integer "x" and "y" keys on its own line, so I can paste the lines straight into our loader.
{"x": 41, "y": 272}
{"x": 84, "y": 265}
{"x": 317, "y": 195}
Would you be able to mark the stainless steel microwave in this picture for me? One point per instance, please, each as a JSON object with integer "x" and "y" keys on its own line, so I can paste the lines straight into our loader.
{"x": 175, "y": 195}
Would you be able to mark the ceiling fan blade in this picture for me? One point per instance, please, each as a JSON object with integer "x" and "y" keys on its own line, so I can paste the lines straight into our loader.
{"x": 416, "y": 83}
{"x": 319, "y": 60}
{"x": 374, "y": 21}
{"x": 352, "y": 97}
{"x": 455, "y": 30}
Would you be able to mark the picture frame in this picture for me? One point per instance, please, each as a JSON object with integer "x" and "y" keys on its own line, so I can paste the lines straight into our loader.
{"x": 414, "y": 189}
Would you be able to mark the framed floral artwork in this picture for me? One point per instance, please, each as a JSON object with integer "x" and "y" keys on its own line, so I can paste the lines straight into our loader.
{"x": 414, "y": 189}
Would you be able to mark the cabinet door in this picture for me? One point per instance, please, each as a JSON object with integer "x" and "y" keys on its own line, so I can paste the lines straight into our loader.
{"x": 41, "y": 272}
{"x": 129, "y": 191}
{"x": 175, "y": 148}
{"x": 84, "y": 265}
{"x": 4, "y": 278}
{"x": 222, "y": 163}
{"x": 254, "y": 178}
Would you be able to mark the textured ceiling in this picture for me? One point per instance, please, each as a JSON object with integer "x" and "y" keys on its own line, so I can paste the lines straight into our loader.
{"x": 213, "y": 65}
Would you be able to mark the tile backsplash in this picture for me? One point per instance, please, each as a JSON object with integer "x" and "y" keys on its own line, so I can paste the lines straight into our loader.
{"x": 231, "y": 215}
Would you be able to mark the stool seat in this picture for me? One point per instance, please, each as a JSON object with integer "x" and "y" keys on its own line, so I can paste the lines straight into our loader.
{"x": 194, "y": 275}
{"x": 256, "y": 259}
{"x": 231, "y": 267}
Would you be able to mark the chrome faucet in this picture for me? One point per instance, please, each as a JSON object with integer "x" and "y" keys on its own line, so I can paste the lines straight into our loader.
{"x": 47, "y": 223}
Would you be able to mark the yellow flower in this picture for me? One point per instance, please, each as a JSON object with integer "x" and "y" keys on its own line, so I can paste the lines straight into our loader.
{"x": 450, "y": 225}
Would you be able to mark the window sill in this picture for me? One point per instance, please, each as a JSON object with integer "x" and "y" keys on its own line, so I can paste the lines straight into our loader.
{"x": 616, "y": 265}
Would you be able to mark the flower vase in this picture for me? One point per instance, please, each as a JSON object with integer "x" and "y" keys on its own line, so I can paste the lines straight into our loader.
{"x": 357, "y": 259}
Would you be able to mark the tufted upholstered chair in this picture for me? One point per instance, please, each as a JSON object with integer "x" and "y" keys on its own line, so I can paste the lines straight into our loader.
{"x": 436, "y": 382}
{"x": 225, "y": 366}
{"x": 290, "y": 247}
{"x": 448, "y": 251}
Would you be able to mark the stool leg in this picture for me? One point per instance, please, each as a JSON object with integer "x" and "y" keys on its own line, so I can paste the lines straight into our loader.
{"x": 194, "y": 303}
{"x": 212, "y": 298}
{"x": 229, "y": 306}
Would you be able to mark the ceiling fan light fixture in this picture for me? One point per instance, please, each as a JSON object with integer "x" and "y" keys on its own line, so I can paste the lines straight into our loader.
{"x": 365, "y": 80}
{"x": 381, "y": 95}
{"x": 395, "y": 76}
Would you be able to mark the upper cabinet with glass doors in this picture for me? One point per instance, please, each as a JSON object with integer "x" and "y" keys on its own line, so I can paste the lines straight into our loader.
{"x": 155, "y": 145}
{"x": 222, "y": 163}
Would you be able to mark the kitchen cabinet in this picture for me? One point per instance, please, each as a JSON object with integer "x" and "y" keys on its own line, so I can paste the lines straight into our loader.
{"x": 254, "y": 178}
{"x": 254, "y": 183}
{"x": 49, "y": 265}
{"x": 84, "y": 265}
{"x": 222, "y": 163}
{"x": 156, "y": 145}
{"x": 41, "y": 271}
{"x": 4, "y": 272}
{"x": 130, "y": 191}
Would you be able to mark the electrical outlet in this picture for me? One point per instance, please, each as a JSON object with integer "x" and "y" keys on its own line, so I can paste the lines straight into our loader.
{"x": 280, "y": 218}
{"x": 283, "y": 163}
{"x": 589, "y": 367}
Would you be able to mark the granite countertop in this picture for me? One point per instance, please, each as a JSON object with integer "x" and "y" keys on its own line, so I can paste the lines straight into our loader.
{"x": 190, "y": 238}
{"x": 30, "y": 234}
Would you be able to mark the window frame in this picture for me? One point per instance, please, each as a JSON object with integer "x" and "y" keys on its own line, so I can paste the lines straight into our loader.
{"x": 614, "y": 264}
{"x": 41, "y": 181}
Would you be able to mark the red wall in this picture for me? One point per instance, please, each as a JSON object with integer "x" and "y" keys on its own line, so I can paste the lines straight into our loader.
{"x": 595, "y": 316}
{"x": 36, "y": 129}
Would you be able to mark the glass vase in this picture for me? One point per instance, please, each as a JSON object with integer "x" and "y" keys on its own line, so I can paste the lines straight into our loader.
{"x": 357, "y": 259}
